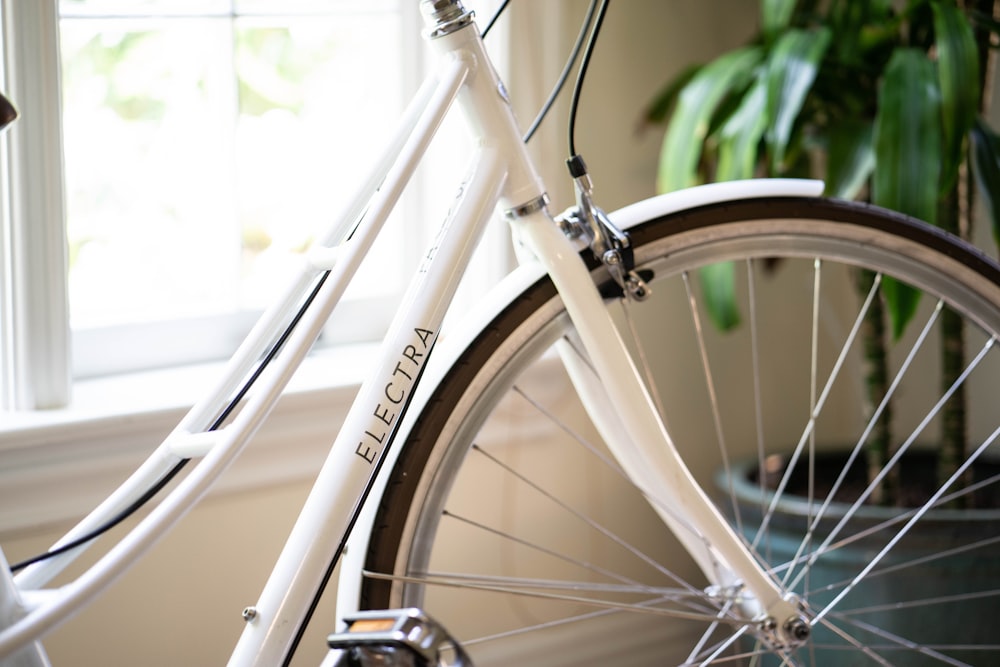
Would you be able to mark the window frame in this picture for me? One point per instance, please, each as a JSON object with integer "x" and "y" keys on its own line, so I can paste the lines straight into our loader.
{"x": 34, "y": 329}
{"x": 42, "y": 355}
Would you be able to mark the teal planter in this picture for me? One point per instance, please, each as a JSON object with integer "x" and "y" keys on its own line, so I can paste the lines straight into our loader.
{"x": 938, "y": 587}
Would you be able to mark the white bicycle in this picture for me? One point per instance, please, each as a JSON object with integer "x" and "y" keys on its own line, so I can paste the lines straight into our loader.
{"x": 587, "y": 526}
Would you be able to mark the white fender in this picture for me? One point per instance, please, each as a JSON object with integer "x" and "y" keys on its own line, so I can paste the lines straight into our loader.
{"x": 714, "y": 193}
{"x": 454, "y": 342}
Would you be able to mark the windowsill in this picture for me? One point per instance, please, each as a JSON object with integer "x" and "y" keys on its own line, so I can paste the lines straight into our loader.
{"x": 132, "y": 395}
{"x": 56, "y": 464}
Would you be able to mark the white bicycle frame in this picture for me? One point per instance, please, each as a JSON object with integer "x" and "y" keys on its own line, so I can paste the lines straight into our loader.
{"x": 502, "y": 178}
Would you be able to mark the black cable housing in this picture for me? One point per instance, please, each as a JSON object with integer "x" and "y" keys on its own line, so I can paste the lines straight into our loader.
{"x": 581, "y": 75}
{"x": 493, "y": 19}
{"x": 574, "y": 55}
{"x": 158, "y": 486}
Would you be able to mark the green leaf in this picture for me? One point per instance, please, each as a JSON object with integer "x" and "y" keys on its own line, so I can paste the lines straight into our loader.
{"x": 986, "y": 168}
{"x": 689, "y": 125}
{"x": 907, "y": 157}
{"x": 850, "y": 158}
{"x": 718, "y": 286}
{"x": 847, "y": 20}
{"x": 792, "y": 68}
{"x": 901, "y": 302}
{"x": 958, "y": 74}
{"x": 740, "y": 136}
{"x": 738, "y": 149}
{"x": 908, "y": 137}
{"x": 775, "y": 15}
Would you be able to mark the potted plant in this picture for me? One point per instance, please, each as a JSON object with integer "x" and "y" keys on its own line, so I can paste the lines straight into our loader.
{"x": 876, "y": 99}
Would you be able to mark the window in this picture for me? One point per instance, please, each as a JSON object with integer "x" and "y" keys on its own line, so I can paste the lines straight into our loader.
{"x": 205, "y": 144}
{"x": 201, "y": 144}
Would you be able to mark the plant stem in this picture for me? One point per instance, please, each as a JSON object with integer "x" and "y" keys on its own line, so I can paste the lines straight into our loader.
{"x": 953, "y": 217}
{"x": 953, "y": 434}
{"x": 875, "y": 371}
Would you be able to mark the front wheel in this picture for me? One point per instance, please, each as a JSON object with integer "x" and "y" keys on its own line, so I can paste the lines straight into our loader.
{"x": 508, "y": 520}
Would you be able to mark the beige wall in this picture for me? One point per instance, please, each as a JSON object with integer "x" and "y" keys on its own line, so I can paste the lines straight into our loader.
{"x": 182, "y": 605}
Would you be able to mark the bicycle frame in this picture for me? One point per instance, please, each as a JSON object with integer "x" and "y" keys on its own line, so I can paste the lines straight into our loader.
{"x": 502, "y": 177}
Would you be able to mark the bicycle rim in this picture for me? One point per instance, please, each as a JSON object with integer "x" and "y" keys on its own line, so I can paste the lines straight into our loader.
{"x": 507, "y": 519}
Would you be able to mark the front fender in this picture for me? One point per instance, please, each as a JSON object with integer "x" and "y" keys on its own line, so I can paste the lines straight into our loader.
{"x": 491, "y": 304}
{"x": 714, "y": 193}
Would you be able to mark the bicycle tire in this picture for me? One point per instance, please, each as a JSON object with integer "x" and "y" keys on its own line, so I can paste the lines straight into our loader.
{"x": 413, "y": 517}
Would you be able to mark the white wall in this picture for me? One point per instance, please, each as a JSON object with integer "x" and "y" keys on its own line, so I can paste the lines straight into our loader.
{"x": 181, "y": 605}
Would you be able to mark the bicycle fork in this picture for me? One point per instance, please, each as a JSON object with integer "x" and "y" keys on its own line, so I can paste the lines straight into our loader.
{"x": 630, "y": 423}
{"x": 615, "y": 396}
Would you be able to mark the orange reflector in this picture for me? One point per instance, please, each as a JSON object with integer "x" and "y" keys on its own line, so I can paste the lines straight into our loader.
{"x": 373, "y": 625}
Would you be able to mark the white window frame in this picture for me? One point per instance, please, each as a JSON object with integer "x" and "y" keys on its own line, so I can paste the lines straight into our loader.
{"x": 41, "y": 355}
{"x": 34, "y": 327}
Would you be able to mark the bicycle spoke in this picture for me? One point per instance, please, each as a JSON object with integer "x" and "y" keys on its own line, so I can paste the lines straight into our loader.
{"x": 723, "y": 646}
{"x": 859, "y": 446}
{"x": 852, "y": 511}
{"x": 709, "y": 632}
{"x": 813, "y": 409}
{"x": 913, "y": 563}
{"x": 912, "y": 604}
{"x": 755, "y": 368}
{"x": 643, "y": 359}
{"x": 613, "y": 537}
{"x": 811, "y": 423}
{"x": 867, "y": 650}
{"x": 729, "y": 659}
{"x": 898, "y": 643}
{"x": 755, "y": 655}
{"x": 574, "y": 435}
{"x": 532, "y": 592}
{"x": 888, "y": 524}
{"x": 713, "y": 399}
{"x": 916, "y": 517}
{"x": 548, "y": 625}
{"x": 500, "y": 581}
{"x": 537, "y": 547}
{"x": 608, "y": 462}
